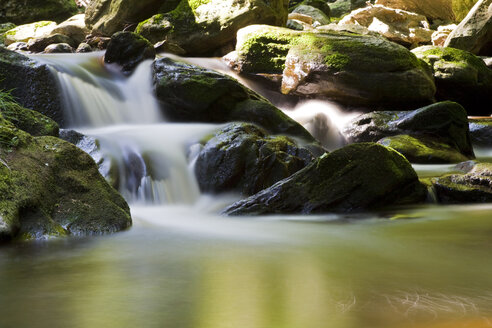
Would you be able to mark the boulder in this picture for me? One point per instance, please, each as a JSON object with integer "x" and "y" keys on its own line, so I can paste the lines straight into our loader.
{"x": 443, "y": 10}
{"x": 361, "y": 70}
{"x": 128, "y": 49}
{"x": 481, "y": 132}
{"x": 40, "y": 94}
{"x": 472, "y": 187}
{"x": 474, "y": 33}
{"x": 106, "y": 17}
{"x": 397, "y": 25}
{"x": 460, "y": 76}
{"x": 318, "y": 16}
{"x": 28, "y": 11}
{"x": 204, "y": 27}
{"x": 445, "y": 123}
{"x": 242, "y": 157}
{"x": 191, "y": 93}
{"x": 39, "y": 44}
{"x": 74, "y": 27}
{"x": 319, "y": 4}
{"x": 83, "y": 48}
{"x": 341, "y": 7}
{"x": 24, "y": 33}
{"x": 354, "y": 178}
{"x": 58, "y": 48}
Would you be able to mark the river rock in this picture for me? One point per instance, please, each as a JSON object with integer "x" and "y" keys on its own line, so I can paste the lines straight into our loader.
{"x": 40, "y": 93}
{"x": 472, "y": 187}
{"x": 242, "y": 157}
{"x": 339, "y": 8}
{"x": 128, "y": 49}
{"x": 28, "y": 11}
{"x": 444, "y": 10}
{"x": 444, "y": 125}
{"x": 39, "y": 44}
{"x": 474, "y": 33}
{"x": 397, "y": 25}
{"x": 58, "y": 48}
{"x": 203, "y": 27}
{"x": 83, "y": 48}
{"x": 74, "y": 27}
{"x": 318, "y": 16}
{"x": 361, "y": 70}
{"x": 106, "y": 17}
{"x": 481, "y": 132}
{"x": 460, "y": 76}
{"x": 319, "y": 4}
{"x": 24, "y": 33}
{"x": 193, "y": 94}
{"x": 50, "y": 188}
{"x": 357, "y": 177}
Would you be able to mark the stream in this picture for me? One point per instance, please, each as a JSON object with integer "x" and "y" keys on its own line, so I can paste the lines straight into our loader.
{"x": 184, "y": 265}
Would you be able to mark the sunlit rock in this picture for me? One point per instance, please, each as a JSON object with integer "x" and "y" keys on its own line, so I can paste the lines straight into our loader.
{"x": 24, "y": 33}
{"x": 74, "y": 27}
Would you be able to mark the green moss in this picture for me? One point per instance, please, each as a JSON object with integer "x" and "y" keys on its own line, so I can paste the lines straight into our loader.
{"x": 462, "y": 7}
{"x": 458, "y": 57}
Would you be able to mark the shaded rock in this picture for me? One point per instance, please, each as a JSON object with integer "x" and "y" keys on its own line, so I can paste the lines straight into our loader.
{"x": 169, "y": 47}
{"x": 481, "y": 132}
{"x": 191, "y": 93}
{"x": 424, "y": 150}
{"x": 128, "y": 49}
{"x": 106, "y": 17}
{"x": 4, "y": 28}
{"x": 40, "y": 94}
{"x": 357, "y": 177}
{"x": 318, "y": 16}
{"x": 74, "y": 27}
{"x": 319, "y": 4}
{"x": 202, "y": 27}
{"x": 474, "y": 33}
{"x": 244, "y": 158}
{"x": 39, "y": 44}
{"x": 28, "y": 11}
{"x": 49, "y": 187}
{"x": 460, "y": 76}
{"x": 439, "y": 37}
{"x": 97, "y": 42}
{"x": 83, "y": 48}
{"x": 341, "y": 7}
{"x": 397, "y": 25}
{"x": 24, "y": 33}
{"x": 444, "y": 122}
{"x": 472, "y": 187}
{"x": 295, "y": 25}
{"x": 58, "y": 48}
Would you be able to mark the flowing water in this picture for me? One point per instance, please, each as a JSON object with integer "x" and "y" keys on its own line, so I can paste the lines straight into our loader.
{"x": 183, "y": 265}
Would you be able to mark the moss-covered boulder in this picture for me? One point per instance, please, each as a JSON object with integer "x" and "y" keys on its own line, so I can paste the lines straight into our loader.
{"x": 481, "y": 132}
{"x": 474, "y": 33}
{"x": 357, "y": 177}
{"x": 49, "y": 187}
{"x": 28, "y": 11}
{"x": 32, "y": 84}
{"x": 190, "y": 93}
{"x": 437, "y": 127}
{"x": 202, "y": 27}
{"x": 475, "y": 186}
{"x": 242, "y": 157}
{"x": 362, "y": 70}
{"x": 460, "y": 76}
{"x": 26, "y": 32}
{"x": 128, "y": 49}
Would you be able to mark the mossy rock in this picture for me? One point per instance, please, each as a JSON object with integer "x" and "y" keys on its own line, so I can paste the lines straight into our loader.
{"x": 189, "y": 93}
{"x": 28, "y": 11}
{"x": 357, "y": 177}
{"x": 4, "y": 28}
{"x": 50, "y": 188}
{"x": 242, "y": 157}
{"x": 202, "y": 27}
{"x": 27, "y": 32}
{"x": 473, "y": 187}
{"x": 128, "y": 49}
{"x": 361, "y": 70}
{"x": 460, "y": 76}
{"x": 40, "y": 93}
{"x": 444, "y": 123}
{"x": 423, "y": 149}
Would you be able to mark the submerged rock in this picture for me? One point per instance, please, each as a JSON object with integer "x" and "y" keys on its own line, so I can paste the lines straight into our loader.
{"x": 203, "y": 27}
{"x": 362, "y": 70}
{"x": 353, "y": 178}
{"x": 460, "y": 76}
{"x": 193, "y": 94}
{"x": 474, "y": 33}
{"x": 472, "y": 187}
{"x": 128, "y": 49}
{"x": 40, "y": 93}
{"x": 244, "y": 158}
{"x": 28, "y": 11}
{"x": 440, "y": 126}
